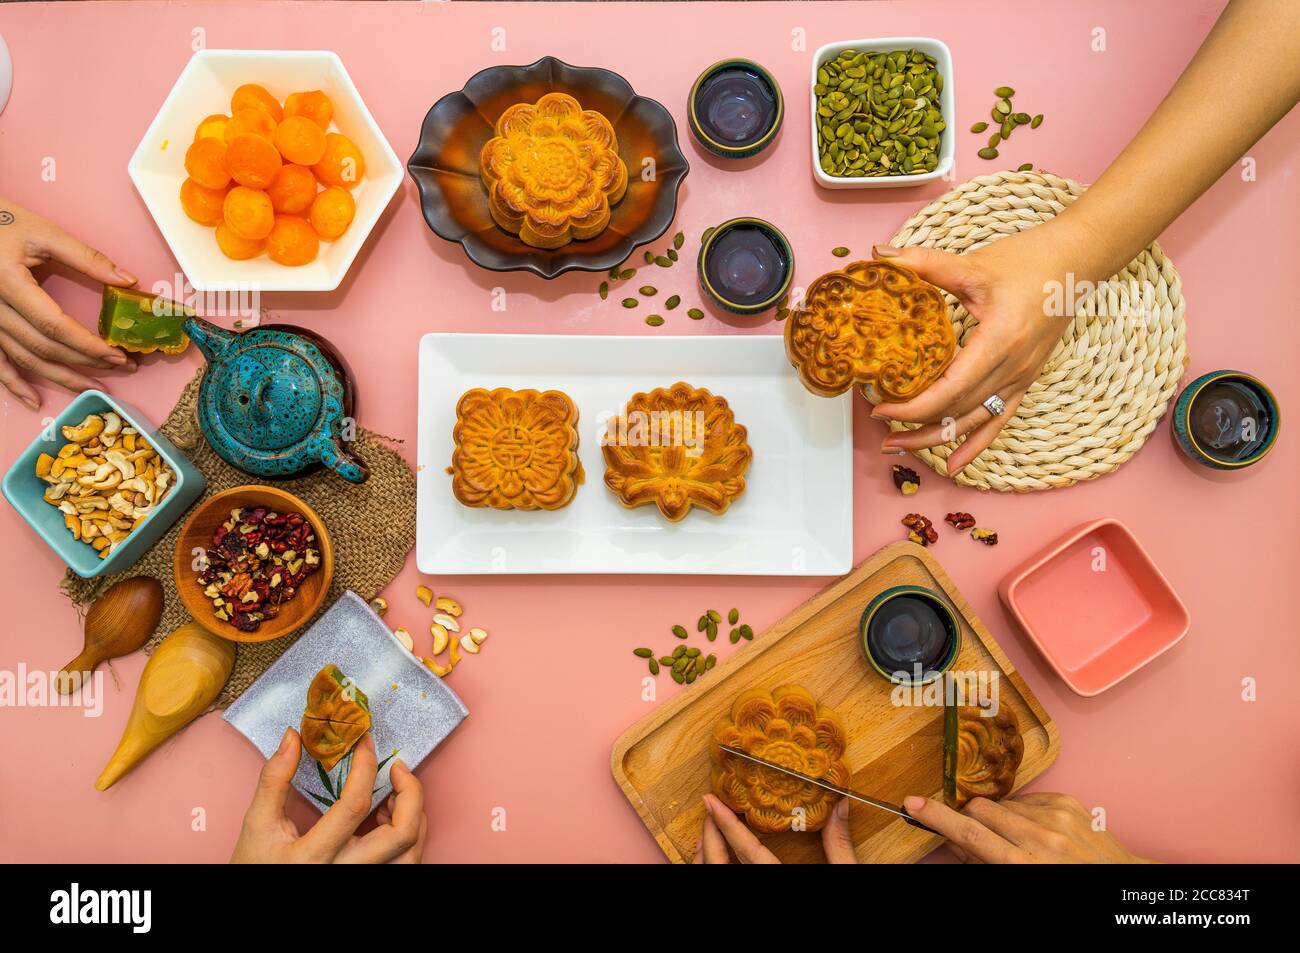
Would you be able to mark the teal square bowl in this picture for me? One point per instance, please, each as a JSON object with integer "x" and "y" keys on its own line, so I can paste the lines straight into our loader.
{"x": 25, "y": 490}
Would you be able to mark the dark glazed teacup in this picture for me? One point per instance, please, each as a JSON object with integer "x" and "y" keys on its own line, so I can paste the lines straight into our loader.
{"x": 909, "y": 635}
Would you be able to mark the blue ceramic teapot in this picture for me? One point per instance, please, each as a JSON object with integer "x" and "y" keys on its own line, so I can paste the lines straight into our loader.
{"x": 274, "y": 400}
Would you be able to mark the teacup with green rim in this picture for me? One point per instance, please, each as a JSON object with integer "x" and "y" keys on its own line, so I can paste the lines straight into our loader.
{"x": 909, "y": 635}
{"x": 1226, "y": 420}
{"x": 735, "y": 108}
{"x": 745, "y": 265}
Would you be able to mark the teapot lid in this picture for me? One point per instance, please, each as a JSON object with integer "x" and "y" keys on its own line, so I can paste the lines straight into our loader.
{"x": 273, "y": 399}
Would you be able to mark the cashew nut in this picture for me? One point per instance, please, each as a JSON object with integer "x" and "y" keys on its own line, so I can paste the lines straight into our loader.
{"x": 120, "y": 460}
{"x": 89, "y": 428}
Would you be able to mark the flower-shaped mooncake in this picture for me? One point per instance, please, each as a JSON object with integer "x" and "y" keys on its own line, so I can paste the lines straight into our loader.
{"x": 676, "y": 447}
{"x": 989, "y": 750}
{"x": 515, "y": 449}
{"x": 552, "y": 171}
{"x": 336, "y": 717}
{"x": 786, "y": 727}
{"x": 874, "y": 324}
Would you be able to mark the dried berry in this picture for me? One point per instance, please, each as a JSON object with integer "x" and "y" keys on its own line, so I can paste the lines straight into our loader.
{"x": 906, "y": 479}
{"x": 960, "y": 520}
{"x": 986, "y": 536}
{"x": 922, "y": 530}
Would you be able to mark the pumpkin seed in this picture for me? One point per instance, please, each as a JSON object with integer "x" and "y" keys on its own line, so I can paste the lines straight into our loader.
{"x": 692, "y": 652}
{"x": 672, "y": 302}
{"x": 666, "y": 660}
{"x": 678, "y": 677}
{"x": 691, "y": 676}
{"x": 613, "y": 273}
{"x": 1007, "y": 128}
{"x": 679, "y": 631}
{"x": 654, "y": 320}
{"x": 735, "y": 636}
{"x": 782, "y": 313}
{"x": 604, "y": 290}
{"x": 649, "y": 258}
{"x": 715, "y": 615}
{"x": 733, "y": 616}
{"x": 711, "y": 661}
{"x": 663, "y": 261}
{"x": 654, "y": 667}
{"x": 695, "y": 314}
{"x": 702, "y": 624}
{"x": 1020, "y": 118}
{"x": 979, "y": 127}
{"x": 1025, "y": 168}
{"x": 1036, "y": 121}
{"x": 839, "y": 251}
{"x": 989, "y": 153}
{"x": 995, "y": 139}
{"x": 647, "y": 291}
{"x": 642, "y": 653}
{"x": 679, "y": 240}
{"x": 679, "y": 652}
{"x": 672, "y": 254}
{"x": 711, "y": 632}
{"x": 746, "y": 633}
{"x": 1004, "y": 92}
{"x": 630, "y": 302}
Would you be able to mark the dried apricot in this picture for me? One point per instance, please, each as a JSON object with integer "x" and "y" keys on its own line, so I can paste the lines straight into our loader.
{"x": 342, "y": 164}
{"x": 237, "y": 247}
{"x": 313, "y": 104}
{"x": 201, "y": 203}
{"x": 204, "y": 162}
{"x": 332, "y": 212}
{"x": 293, "y": 189}
{"x": 248, "y": 212}
{"x": 300, "y": 140}
{"x": 292, "y": 241}
{"x": 251, "y": 95}
{"x": 245, "y": 121}
{"x": 252, "y": 161}
{"x": 213, "y": 127}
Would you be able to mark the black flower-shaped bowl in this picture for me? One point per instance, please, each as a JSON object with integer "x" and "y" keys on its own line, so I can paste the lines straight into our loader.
{"x": 445, "y": 166}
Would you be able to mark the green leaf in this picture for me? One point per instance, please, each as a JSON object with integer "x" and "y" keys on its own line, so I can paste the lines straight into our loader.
{"x": 325, "y": 780}
{"x": 323, "y": 800}
{"x": 381, "y": 764}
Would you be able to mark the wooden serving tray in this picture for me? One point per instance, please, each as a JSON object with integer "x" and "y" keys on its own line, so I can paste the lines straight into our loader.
{"x": 662, "y": 762}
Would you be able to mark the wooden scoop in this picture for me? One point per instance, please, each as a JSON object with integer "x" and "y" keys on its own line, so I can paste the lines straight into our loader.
{"x": 181, "y": 679}
{"x": 118, "y": 623}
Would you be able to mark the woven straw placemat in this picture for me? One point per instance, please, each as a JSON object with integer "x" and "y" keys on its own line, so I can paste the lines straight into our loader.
{"x": 1108, "y": 382}
{"x": 372, "y": 526}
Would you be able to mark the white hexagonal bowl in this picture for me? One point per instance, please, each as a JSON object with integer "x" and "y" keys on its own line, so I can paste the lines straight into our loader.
{"x": 204, "y": 87}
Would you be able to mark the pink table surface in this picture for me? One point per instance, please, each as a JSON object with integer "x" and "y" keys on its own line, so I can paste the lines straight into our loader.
{"x": 1185, "y": 769}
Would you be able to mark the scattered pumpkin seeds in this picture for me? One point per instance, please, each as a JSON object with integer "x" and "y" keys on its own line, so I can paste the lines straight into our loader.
{"x": 654, "y": 666}
{"x": 627, "y": 274}
{"x": 679, "y": 631}
{"x": 840, "y": 251}
{"x": 630, "y": 302}
{"x": 746, "y": 633}
{"x": 614, "y": 273}
{"x": 995, "y": 139}
{"x": 663, "y": 261}
{"x": 654, "y": 320}
{"x": 782, "y": 313}
{"x": 979, "y": 127}
{"x": 735, "y": 636}
{"x": 715, "y": 615}
{"x": 642, "y": 653}
{"x": 988, "y": 153}
{"x": 672, "y": 302}
{"x": 733, "y": 616}
{"x": 679, "y": 240}
{"x": 672, "y": 254}
{"x": 647, "y": 291}
{"x": 1006, "y": 119}
{"x": 1025, "y": 167}
{"x": 1004, "y": 92}
{"x": 649, "y": 258}
{"x": 695, "y": 314}
{"x": 679, "y": 652}
{"x": 678, "y": 677}
{"x": 604, "y": 290}
{"x": 1036, "y": 121}
{"x": 710, "y": 661}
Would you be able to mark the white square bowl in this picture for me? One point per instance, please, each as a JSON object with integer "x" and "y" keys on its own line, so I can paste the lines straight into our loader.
{"x": 947, "y": 106}
{"x": 204, "y": 87}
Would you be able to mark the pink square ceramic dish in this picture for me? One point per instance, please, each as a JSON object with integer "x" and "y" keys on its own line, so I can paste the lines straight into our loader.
{"x": 1095, "y": 605}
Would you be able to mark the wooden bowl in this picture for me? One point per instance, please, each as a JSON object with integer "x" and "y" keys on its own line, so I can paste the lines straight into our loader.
{"x": 196, "y": 534}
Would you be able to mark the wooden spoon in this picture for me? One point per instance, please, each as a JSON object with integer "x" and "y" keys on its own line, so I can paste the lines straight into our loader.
{"x": 117, "y": 623}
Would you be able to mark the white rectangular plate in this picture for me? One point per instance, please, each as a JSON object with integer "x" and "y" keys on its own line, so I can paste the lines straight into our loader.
{"x": 795, "y": 517}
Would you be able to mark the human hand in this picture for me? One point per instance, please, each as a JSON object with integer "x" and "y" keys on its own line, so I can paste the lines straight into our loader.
{"x": 36, "y": 335}
{"x": 1021, "y": 829}
{"x": 269, "y": 837}
{"x": 1002, "y": 286}
{"x": 723, "y": 828}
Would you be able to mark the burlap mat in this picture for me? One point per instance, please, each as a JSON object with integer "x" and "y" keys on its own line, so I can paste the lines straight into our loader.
{"x": 372, "y": 526}
{"x": 1108, "y": 382}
